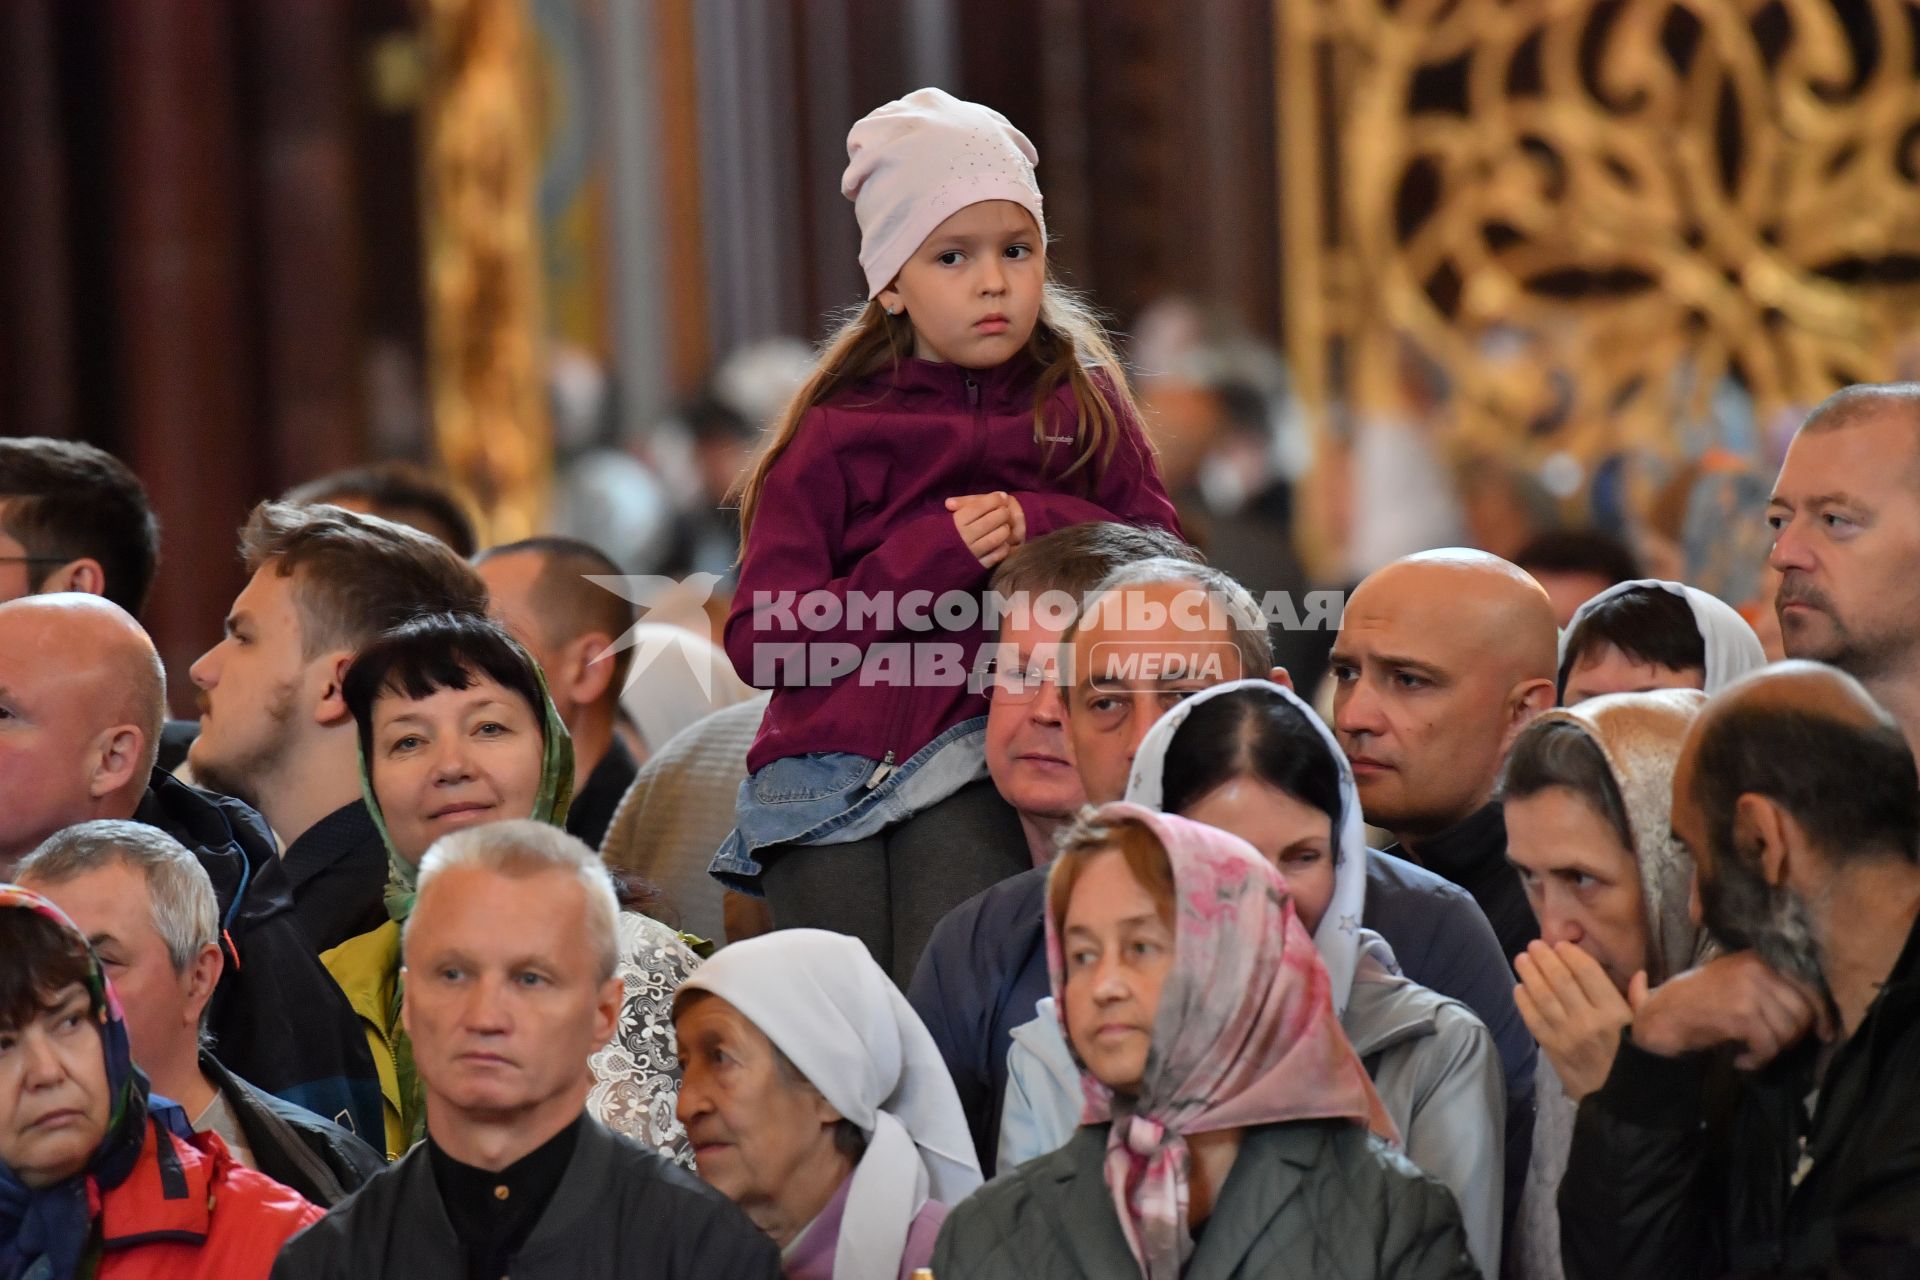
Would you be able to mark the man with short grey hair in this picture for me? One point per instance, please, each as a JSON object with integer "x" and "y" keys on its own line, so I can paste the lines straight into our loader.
{"x": 1151, "y": 634}
{"x": 522, "y": 849}
{"x": 1846, "y": 532}
{"x": 147, "y": 907}
{"x": 509, "y": 987}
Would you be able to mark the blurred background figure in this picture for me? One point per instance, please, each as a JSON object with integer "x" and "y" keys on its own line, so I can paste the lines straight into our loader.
{"x": 1575, "y": 565}
{"x": 397, "y": 491}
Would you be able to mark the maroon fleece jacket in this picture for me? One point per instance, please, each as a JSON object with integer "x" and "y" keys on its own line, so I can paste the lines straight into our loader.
{"x": 856, "y": 504}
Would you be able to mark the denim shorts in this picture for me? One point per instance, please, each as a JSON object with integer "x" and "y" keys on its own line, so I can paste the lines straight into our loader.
{"x": 823, "y": 798}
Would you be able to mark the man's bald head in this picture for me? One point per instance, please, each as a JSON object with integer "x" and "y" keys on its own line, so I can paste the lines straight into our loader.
{"x": 1868, "y": 401}
{"x": 85, "y": 697}
{"x": 1813, "y": 740}
{"x": 1472, "y": 599}
{"x": 99, "y": 653}
{"x": 1811, "y": 687}
{"x": 1441, "y": 660}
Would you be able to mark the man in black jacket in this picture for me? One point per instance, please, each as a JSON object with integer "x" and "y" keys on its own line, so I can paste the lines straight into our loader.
{"x": 82, "y": 695}
{"x": 147, "y": 907}
{"x": 1800, "y": 1157}
{"x": 510, "y": 985}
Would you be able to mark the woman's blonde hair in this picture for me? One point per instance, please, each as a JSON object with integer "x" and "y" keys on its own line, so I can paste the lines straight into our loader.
{"x": 1068, "y": 341}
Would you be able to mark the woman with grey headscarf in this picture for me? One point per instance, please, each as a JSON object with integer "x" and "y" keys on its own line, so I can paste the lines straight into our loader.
{"x": 1588, "y": 793}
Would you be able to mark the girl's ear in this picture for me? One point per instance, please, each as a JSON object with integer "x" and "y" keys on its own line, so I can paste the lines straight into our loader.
{"x": 889, "y": 300}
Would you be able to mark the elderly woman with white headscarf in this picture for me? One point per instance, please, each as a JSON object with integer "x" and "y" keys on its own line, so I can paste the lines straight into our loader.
{"x": 1653, "y": 634}
{"x": 1588, "y": 795}
{"x": 1251, "y": 759}
{"x": 816, "y": 1101}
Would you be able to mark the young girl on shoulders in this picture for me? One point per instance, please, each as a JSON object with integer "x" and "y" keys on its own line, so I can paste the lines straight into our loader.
{"x": 970, "y": 405}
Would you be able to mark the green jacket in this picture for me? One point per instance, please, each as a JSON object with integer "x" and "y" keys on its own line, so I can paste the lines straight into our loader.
{"x": 368, "y": 970}
{"x": 1309, "y": 1198}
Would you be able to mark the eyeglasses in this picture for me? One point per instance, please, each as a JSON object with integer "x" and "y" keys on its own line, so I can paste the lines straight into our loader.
{"x": 1012, "y": 680}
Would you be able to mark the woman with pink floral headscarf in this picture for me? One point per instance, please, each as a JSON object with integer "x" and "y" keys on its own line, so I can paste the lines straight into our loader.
{"x": 1230, "y": 1131}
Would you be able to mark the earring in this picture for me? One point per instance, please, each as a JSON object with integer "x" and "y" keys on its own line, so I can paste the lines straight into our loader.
{"x": 893, "y": 311}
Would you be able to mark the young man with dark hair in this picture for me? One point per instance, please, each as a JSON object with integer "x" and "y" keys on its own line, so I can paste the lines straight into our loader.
{"x": 1797, "y": 796}
{"x": 73, "y": 518}
{"x": 274, "y": 727}
{"x": 396, "y": 491}
{"x": 539, "y": 589}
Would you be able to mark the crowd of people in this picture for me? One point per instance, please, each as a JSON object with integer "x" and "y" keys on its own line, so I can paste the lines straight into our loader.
{"x": 955, "y": 931}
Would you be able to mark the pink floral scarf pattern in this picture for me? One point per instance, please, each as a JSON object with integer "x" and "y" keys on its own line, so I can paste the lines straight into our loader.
{"x": 1245, "y": 1034}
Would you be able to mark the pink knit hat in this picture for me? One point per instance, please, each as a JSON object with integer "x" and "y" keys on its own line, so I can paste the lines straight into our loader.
{"x": 913, "y": 163}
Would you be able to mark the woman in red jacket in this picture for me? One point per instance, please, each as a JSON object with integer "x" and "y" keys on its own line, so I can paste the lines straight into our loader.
{"x": 93, "y": 1185}
{"x": 969, "y": 405}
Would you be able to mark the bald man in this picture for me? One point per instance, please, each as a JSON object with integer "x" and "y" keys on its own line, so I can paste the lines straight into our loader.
{"x": 82, "y": 698}
{"x": 539, "y": 589}
{"x": 1797, "y": 796}
{"x": 1441, "y": 660}
{"x": 1846, "y": 519}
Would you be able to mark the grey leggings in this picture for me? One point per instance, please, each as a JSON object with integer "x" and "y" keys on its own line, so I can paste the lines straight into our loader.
{"x": 889, "y": 890}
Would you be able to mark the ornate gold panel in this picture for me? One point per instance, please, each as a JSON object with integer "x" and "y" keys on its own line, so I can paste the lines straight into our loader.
{"x": 1585, "y": 214}
{"x": 480, "y": 167}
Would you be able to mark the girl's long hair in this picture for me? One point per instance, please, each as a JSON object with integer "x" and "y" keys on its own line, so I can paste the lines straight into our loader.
{"x": 1068, "y": 342}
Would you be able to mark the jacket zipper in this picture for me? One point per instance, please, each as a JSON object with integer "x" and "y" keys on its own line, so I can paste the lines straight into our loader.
{"x": 885, "y": 769}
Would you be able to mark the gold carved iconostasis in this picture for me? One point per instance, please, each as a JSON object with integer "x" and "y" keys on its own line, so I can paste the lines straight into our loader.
{"x": 1586, "y": 220}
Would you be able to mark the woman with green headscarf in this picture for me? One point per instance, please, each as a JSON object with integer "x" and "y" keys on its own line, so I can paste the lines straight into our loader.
{"x": 456, "y": 730}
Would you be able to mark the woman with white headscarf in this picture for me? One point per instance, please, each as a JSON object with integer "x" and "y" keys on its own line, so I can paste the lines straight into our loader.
{"x": 1250, "y": 758}
{"x": 1588, "y": 795}
{"x": 816, "y": 1101}
{"x": 1652, "y": 634}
